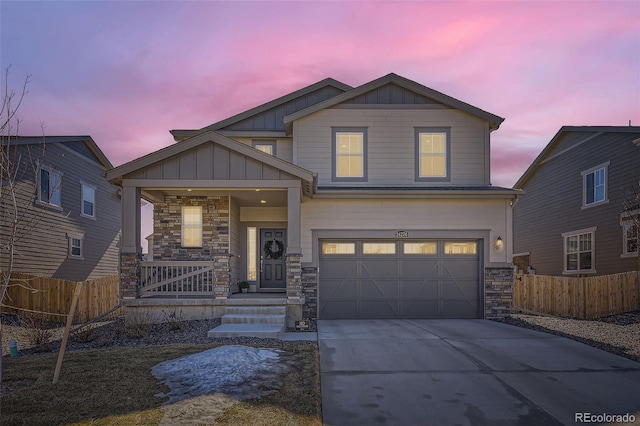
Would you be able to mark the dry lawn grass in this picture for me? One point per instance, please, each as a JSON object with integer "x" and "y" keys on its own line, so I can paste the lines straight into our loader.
{"x": 115, "y": 387}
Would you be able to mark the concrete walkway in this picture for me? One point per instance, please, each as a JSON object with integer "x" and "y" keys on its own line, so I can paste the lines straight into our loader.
{"x": 466, "y": 372}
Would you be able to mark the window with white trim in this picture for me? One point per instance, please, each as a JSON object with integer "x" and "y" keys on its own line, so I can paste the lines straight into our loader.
{"x": 191, "y": 226}
{"x": 349, "y": 154}
{"x": 50, "y": 186}
{"x": 594, "y": 184}
{"x": 76, "y": 242}
{"x": 630, "y": 221}
{"x": 630, "y": 239}
{"x": 88, "y": 195}
{"x": 432, "y": 154}
{"x": 579, "y": 251}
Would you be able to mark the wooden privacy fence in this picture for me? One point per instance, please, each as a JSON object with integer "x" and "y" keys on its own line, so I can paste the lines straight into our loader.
{"x": 578, "y": 297}
{"x": 50, "y": 298}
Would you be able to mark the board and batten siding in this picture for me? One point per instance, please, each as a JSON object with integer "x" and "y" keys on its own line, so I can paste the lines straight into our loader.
{"x": 552, "y": 204}
{"x": 391, "y": 144}
{"x": 209, "y": 161}
{"x": 444, "y": 217}
{"x": 45, "y": 247}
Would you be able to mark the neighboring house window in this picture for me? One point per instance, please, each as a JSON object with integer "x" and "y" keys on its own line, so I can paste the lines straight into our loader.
{"x": 50, "y": 186}
{"x": 75, "y": 245}
{"x": 349, "y": 148}
{"x": 594, "y": 183}
{"x": 268, "y": 147}
{"x": 432, "y": 154}
{"x": 192, "y": 226}
{"x": 88, "y": 195}
{"x": 579, "y": 250}
{"x": 629, "y": 221}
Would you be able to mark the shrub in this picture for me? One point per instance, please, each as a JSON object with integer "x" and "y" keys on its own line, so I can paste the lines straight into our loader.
{"x": 37, "y": 332}
{"x": 174, "y": 319}
{"x": 137, "y": 325}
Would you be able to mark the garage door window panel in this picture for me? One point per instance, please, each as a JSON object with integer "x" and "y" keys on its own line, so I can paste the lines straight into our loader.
{"x": 379, "y": 248}
{"x": 460, "y": 247}
{"x": 338, "y": 248}
{"x": 420, "y": 248}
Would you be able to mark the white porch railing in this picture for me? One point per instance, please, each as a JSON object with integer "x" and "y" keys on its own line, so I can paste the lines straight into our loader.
{"x": 175, "y": 278}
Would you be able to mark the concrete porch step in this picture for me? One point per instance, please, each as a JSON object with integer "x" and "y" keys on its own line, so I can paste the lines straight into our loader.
{"x": 251, "y": 310}
{"x": 253, "y": 319}
{"x": 265, "y": 331}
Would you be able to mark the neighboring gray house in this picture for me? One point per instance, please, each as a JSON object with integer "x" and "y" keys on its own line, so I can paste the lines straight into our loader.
{"x": 71, "y": 212}
{"x": 573, "y": 219}
{"x": 366, "y": 202}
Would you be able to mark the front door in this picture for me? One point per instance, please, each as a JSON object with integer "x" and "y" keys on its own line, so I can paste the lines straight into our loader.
{"x": 272, "y": 259}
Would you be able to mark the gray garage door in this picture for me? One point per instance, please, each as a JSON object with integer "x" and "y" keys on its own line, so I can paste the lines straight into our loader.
{"x": 399, "y": 279}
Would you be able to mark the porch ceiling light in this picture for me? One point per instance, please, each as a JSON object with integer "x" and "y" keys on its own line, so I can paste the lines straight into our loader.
{"x": 499, "y": 244}
{"x": 263, "y": 201}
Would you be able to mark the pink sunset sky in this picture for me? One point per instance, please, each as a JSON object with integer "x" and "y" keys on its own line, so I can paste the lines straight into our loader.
{"x": 128, "y": 72}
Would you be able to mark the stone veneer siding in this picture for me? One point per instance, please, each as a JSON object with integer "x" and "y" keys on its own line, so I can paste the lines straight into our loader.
{"x": 294, "y": 275}
{"x": 498, "y": 295}
{"x": 167, "y": 228}
{"x": 129, "y": 273}
{"x": 310, "y": 291}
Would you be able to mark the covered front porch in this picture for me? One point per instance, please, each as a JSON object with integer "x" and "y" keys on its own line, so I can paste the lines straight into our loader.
{"x": 223, "y": 213}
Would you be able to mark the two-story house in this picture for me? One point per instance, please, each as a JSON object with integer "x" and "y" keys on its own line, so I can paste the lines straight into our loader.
{"x": 366, "y": 202}
{"x": 574, "y": 219}
{"x": 68, "y": 214}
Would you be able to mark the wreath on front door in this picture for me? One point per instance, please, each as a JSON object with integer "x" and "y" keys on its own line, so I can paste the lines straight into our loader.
{"x": 270, "y": 253}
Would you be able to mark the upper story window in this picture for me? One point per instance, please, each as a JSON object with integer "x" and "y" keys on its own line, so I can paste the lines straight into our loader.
{"x": 349, "y": 147}
{"x": 50, "y": 186}
{"x": 432, "y": 154}
{"x": 579, "y": 249}
{"x": 191, "y": 226}
{"x": 268, "y": 147}
{"x": 88, "y": 195}
{"x": 594, "y": 183}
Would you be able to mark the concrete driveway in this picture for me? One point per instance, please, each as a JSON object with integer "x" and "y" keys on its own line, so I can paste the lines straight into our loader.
{"x": 466, "y": 372}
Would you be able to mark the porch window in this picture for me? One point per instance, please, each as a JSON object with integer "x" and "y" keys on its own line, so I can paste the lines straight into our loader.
{"x": 192, "y": 226}
{"x": 252, "y": 244}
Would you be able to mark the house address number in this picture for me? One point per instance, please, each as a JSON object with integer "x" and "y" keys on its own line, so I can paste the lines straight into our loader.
{"x": 402, "y": 234}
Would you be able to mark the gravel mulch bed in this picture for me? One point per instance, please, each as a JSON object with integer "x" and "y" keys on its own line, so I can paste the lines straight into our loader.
{"x": 118, "y": 333}
{"x": 618, "y": 334}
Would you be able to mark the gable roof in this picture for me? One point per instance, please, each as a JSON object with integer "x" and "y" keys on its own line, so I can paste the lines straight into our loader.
{"x": 115, "y": 175}
{"x": 88, "y": 142}
{"x": 323, "y": 84}
{"x": 589, "y": 133}
{"x": 403, "y": 82}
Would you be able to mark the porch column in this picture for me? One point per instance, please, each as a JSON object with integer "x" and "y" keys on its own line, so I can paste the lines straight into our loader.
{"x": 294, "y": 246}
{"x": 130, "y": 251}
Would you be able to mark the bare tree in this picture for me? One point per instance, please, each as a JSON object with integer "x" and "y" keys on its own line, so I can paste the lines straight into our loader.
{"x": 631, "y": 219}
{"x": 18, "y": 187}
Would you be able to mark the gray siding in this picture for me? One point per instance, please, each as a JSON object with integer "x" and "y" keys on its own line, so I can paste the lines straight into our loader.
{"x": 553, "y": 203}
{"x": 44, "y": 248}
{"x": 391, "y": 94}
{"x": 391, "y": 144}
{"x": 209, "y": 161}
{"x": 272, "y": 119}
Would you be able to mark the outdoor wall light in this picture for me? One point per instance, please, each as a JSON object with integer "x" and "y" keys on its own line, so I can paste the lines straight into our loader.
{"x": 498, "y": 244}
